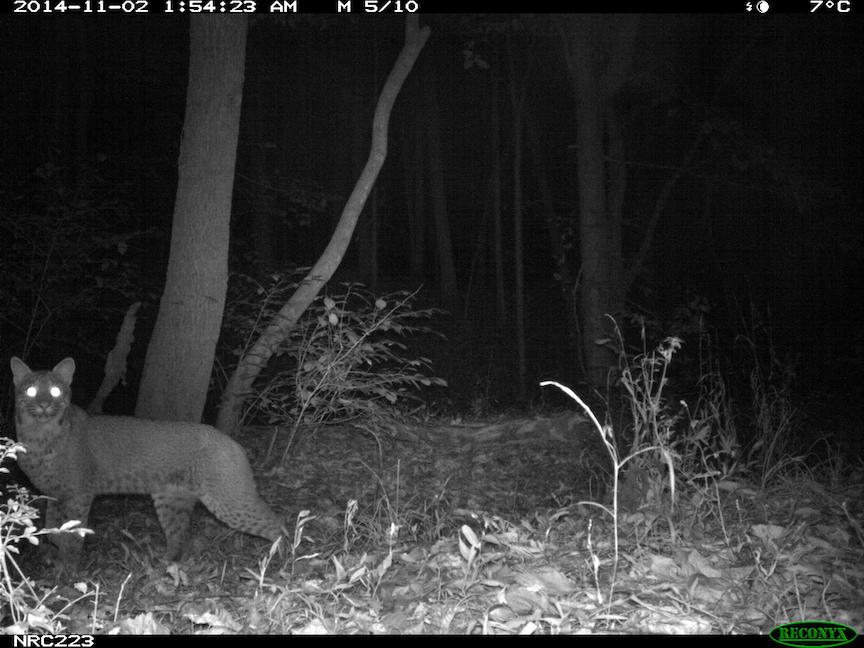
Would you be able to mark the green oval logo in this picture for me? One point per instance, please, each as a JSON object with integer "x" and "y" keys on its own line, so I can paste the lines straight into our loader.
{"x": 813, "y": 633}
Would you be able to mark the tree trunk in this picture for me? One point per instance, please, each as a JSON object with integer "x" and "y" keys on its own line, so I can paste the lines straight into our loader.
{"x": 240, "y": 384}
{"x": 497, "y": 230}
{"x": 444, "y": 246}
{"x": 601, "y": 261}
{"x": 413, "y": 147}
{"x": 517, "y": 102}
{"x": 180, "y": 354}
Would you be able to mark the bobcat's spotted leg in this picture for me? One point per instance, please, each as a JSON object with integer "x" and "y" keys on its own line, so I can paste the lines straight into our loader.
{"x": 73, "y": 457}
{"x": 174, "y": 508}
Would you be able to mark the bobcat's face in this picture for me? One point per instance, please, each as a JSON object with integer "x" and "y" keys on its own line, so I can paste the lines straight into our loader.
{"x": 42, "y": 395}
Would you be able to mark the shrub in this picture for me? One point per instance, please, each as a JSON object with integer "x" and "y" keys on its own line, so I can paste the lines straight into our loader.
{"x": 346, "y": 359}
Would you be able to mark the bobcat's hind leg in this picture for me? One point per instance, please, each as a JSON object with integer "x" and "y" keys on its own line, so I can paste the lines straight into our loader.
{"x": 174, "y": 507}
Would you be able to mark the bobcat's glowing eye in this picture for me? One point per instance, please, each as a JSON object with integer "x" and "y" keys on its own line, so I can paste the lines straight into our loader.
{"x": 31, "y": 391}
{"x": 55, "y": 392}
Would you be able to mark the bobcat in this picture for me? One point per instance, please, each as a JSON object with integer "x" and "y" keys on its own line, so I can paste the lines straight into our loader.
{"x": 73, "y": 457}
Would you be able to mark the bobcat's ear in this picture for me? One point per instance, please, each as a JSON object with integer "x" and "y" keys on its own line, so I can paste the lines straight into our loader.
{"x": 19, "y": 370}
{"x": 65, "y": 368}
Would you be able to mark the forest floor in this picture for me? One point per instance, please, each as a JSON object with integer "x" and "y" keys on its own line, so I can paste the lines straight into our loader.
{"x": 480, "y": 527}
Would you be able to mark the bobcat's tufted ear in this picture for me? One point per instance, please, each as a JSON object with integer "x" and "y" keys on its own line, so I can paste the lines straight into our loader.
{"x": 65, "y": 368}
{"x": 19, "y": 370}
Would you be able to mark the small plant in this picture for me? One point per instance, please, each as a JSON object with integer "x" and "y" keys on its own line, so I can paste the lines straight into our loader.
{"x": 653, "y": 425}
{"x": 618, "y": 464}
{"x": 773, "y": 416}
{"x": 644, "y": 378}
{"x": 28, "y": 609}
{"x": 662, "y": 447}
{"x": 709, "y": 446}
{"x": 345, "y": 359}
{"x": 698, "y": 439}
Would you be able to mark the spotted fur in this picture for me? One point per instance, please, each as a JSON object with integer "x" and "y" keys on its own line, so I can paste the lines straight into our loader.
{"x": 72, "y": 457}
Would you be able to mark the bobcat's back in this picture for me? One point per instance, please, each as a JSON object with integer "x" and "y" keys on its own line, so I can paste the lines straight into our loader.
{"x": 122, "y": 447}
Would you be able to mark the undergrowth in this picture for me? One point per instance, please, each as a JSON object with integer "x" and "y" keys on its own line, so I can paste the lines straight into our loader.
{"x": 713, "y": 508}
{"x": 346, "y": 361}
{"x": 27, "y": 607}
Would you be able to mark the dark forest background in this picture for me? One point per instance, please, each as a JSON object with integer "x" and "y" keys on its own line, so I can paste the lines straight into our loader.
{"x": 742, "y": 134}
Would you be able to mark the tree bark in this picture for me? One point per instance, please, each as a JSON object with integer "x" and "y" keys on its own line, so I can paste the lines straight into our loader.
{"x": 411, "y": 159}
{"x": 517, "y": 102}
{"x": 180, "y": 354}
{"x": 240, "y": 383}
{"x": 416, "y": 196}
{"x": 497, "y": 229}
{"x": 444, "y": 245}
{"x": 600, "y": 245}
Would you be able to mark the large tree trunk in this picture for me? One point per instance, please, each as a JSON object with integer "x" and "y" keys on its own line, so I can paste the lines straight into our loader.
{"x": 180, "y": 354}
{"x": 602, "y": 274}
{"x": 240, "y": 384}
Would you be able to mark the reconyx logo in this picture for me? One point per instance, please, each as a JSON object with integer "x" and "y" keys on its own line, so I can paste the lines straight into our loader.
{"x": 820, "y": 634}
